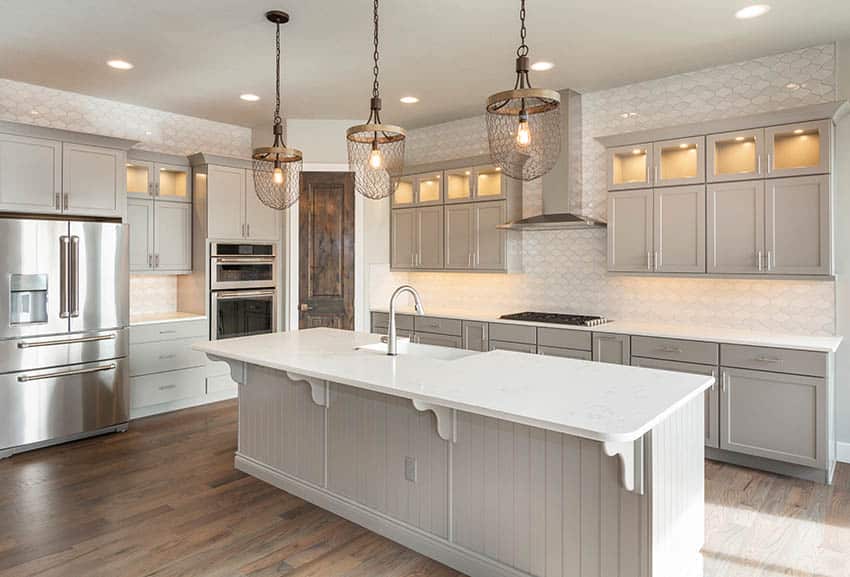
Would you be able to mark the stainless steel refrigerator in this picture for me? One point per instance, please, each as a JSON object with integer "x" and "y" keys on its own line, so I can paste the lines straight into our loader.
{"x": 64, "y": 300}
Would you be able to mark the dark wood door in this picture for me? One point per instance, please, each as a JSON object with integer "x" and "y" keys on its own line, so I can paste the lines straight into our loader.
{"x": 326, "y": 241}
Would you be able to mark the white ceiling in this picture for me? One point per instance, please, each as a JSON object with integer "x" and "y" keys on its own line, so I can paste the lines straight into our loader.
{"x": 196, "y": 56}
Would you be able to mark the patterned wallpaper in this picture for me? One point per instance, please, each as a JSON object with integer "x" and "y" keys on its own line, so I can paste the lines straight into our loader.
{"x": 566, "y": 270}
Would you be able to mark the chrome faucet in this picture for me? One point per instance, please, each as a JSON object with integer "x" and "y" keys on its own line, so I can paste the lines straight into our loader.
{"x": 392, "y": 339}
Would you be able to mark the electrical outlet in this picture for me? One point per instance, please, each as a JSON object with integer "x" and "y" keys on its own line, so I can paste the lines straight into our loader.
{"x": 410, "y": 469}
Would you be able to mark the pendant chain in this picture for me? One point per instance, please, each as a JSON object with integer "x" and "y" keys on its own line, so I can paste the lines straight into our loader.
{"x": 375, "y": 55}
{"x": 277, "y": 119}
{"x": 522, "y": 50}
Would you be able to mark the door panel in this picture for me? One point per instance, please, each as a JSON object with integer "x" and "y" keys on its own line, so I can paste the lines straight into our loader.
{"x": 429, "y": 237}
{"x": 679, "y": 229}
{"x": 460, "y": 223}
{"x": 173, "y": 236}
{"x": 32, "y": 280}
{"x": 630, "y": 231}
{"x": 93, "y": 180}
{"x": 630, "y": 167}
{"x": 735, "y": 227}
{"x": 678, "y": 162}
{"x": 225, "y": 198}
{"x": 797, "y": 225}
{"x": 489, "y": 240}
{"x": 30, "y": 174}
{"x": 326, "y": 244}
{"x": 99, "y": 292}
{"x": 403, "y": 241}
{"x": 799, "y": 149}
{"x": 262, "y": 222}
{"x": 735, "y": 155}
{"x": 140, "y": 217}
{"x": 612, "y": 348}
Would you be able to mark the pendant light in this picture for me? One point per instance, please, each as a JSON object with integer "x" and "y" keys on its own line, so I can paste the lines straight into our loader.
{"x": 277, "y": 168}
{"x": 524, "y": 124}
{"x": 375, "y": 150}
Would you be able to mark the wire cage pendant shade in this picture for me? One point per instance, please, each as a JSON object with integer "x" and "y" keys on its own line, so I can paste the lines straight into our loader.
{"x": 277, "y": 168}
{"x": 524, "y": 124}
{"x": 375, "y": 149}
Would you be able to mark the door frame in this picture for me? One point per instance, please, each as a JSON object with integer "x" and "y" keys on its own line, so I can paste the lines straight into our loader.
{"x": 291, "y": 227}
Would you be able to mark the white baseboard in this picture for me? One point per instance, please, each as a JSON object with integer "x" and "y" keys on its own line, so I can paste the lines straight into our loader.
{"x": 214, "y": 397}
{"x": 842, "y": 452}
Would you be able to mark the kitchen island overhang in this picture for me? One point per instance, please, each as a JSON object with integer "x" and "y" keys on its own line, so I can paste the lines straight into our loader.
{"x": 470, "y": 460}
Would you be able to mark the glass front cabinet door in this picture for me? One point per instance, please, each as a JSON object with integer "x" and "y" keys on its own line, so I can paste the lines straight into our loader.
{"x": 629, "y": 167}
{"x": 735, "y": 155}
{"x": 173, "y": 182}
{"x": 459, "y": 185}
{"x": 679, "y": 161}
{"x": 140, "y": 179}
{"x": 798, "y": 149}
{"x": 489, "y": 183}
{"x": 403, "y": 195}
{"x": 429, "y": 189}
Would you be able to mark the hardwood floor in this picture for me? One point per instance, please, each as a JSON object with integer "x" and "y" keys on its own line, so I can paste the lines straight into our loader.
{"x": 164, "y": 500}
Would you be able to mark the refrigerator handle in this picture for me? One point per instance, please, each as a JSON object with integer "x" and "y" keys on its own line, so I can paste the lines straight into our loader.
{"x": 64, "y": 242}
{"x": 74, "y": 270}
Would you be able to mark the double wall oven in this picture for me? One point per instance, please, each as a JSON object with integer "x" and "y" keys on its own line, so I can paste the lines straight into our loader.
{"x": 243, "y": 289}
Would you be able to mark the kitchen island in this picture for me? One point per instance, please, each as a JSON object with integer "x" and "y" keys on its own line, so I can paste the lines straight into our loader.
{"x": 496, "y": 463}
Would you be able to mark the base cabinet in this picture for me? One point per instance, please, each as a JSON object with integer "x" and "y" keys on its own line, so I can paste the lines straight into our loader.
{"x": 611, "y": 348}
{"x": 453, "y": 341}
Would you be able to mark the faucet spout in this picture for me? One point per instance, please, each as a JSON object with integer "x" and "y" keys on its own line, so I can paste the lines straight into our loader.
{"x": 392, "y": 339}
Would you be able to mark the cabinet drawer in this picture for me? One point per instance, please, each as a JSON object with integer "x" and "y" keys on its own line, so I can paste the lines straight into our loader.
{"x": 513, "y": 333}
{"x": 437, "y": 325}
{"x": 453, "y": 341}
{"x": 161, "y": 388}
{"x": 566, "y": 353}
{"x": 564, "y": 338}
{"x": 509, "y": 346}
{"x": 221, "y": 384}
{"x": 148, "y": 358}
{"x": 675, "y": 350}
{"x": 775, "y": 360}
{"x": 382, "y": 321}
{"x": 198, "y": 329}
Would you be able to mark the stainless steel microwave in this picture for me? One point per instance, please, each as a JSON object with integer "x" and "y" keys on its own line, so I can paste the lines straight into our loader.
{"x": 242, "y": 266}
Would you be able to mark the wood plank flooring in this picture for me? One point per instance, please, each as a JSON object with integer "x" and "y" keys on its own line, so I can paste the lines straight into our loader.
{"x": 164, "y": 500}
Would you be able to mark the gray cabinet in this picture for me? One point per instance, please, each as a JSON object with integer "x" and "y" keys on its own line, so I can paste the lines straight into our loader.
{"x": 453, "y": 341}
{"x": 565, "y": 353}
{"x": 225, "y": 202}
{"x": 712, "y": 397}
{"x": 403, "y": 238}
{"x": 489, "y": 241}
{"x": 149, "y": 178}
{"x": 799, "y": 149}
{"x": 630, "y": 230}
{"x": 140, "y": 220}
{"x": 679, "y": 162}
{"x": 30, "y": 174}
{"x": 679, "y": 229}
{"x": 460, "y": 235}
{"x": 429, "y": 237}
{"x": 496, "y": 345}
{"x": 173, "y": 237}
{"x": 774, "y": 415}
{"x": 261, "y": 221}
{"x": 736, "y": 227}
{"x": 475, "y": 336}
{"x": 797, "y": 226}
{"x": 735, "y": 155}
{"x": 93, "y": 182}
{"x": 611, "y": 348}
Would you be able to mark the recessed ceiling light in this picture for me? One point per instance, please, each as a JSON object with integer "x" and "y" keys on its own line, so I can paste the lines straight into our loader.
{"x": 34, "y": 112}
{"x": 409, "y": 99}
{"x": 119, "y": 64}
{"x": 248, "y": 97}
{"x": 542, "y": 66}
{"x": 753, "y": 11}
{"x": 798, "y": 131}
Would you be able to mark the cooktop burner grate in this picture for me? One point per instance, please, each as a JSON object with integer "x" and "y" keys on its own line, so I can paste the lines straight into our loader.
{"x": 557, "y": 318}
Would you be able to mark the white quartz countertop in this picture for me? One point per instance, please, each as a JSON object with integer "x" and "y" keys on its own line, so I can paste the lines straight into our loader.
{"x": 671, "y": 331}
{"x": 156, "y": 318}
{"x": 599, "y": 401}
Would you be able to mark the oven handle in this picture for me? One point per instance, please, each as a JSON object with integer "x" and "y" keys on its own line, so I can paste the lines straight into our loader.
{"x": 230, "y": 295}
{"x": 243, "y": 260}
{"x": 27, "y": 378}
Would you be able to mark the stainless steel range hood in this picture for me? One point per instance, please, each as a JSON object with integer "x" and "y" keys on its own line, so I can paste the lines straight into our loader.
{"x": 562, "y": 194}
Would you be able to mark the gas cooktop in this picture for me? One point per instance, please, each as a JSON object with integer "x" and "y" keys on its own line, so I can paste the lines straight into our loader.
{"x": 556, "y": 318}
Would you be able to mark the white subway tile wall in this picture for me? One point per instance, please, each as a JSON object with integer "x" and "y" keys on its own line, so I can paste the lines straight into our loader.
{"x": 566, "y": 270}
{"x": 152, "y": 294}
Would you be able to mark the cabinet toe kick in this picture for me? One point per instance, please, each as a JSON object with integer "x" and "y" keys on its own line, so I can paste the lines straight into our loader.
{"x": 631, "y": 463}
{"x": 446, "y": 419}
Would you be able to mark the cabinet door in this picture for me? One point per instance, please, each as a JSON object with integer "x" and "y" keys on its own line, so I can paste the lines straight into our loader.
{"x": 173, "y": 183}
{"x": 678, "y": 162}
{"x": 453, "y": 341}
{"x": 403, "y": 238}
{"x": 489, "y": 183}
{"x": 774, "y": 415}
{"x": 173, "y": 236}
{"x": 403, "y": 195}
{"x": 429, "y": 237}
{"x": 140, "y": 218}
{"x": 459, "y": 185}
{"x": 490, "y": 242}
{"x": 261, "y": 221}
{"x": 735, "y": 227}
{"x": 225, "y": 202}
{"x": 611, "y": 348}
{"x": 735, "y": 155}
{"x": 429, "y": 188}
{"x": 475, "y": 336}
{"x": 460, "y": 235}
{"x": 679, "y": 229}
{"x": 797, "y": 220}
{"x": 141, "y": 179}
{"x": 630, "y": 231}
{"x": 93, "y": 180}
{"x": 712, "y": 396}
{"x": 630, "y": 167}
{"x": 798, "y": 149}
{"x": 30, "y": 174}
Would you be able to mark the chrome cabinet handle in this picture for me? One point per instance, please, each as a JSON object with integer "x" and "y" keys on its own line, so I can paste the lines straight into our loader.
{"x": 57, "y": 374}
{"x": 656, "y": 173}
{"x": 769, "y": 261}
{"x": 168, "y": 332}
{"x": 769, "y": 163}
{"x": 150, "y": 189}
{"x": 244, "y": 260}
{"x": 150, "y": 261}
{"x": 648, "y": 261}
{"x": 714, "y": 385}
{"x": 156, "y": 260}
{"x": 648, "y": 179}
{"x": 242, "y": 294}
{"x": 167, "y": 387}
{"x": 759, "y": 256}
{"x": 671, "y": 349}
{"x": 57, "y": 201}
{"x": 66, "y": 202}
{"x": 763, "y": 359}
{"x": 248, "y": 226}
{"x": 157, "y": 189}
{"x": 758, "y": 164}
{"x": 656, "y": 260}
{"x": 724, "y": 382}
{"x": 167, "y": 357}
{"x": 91, "y": 339}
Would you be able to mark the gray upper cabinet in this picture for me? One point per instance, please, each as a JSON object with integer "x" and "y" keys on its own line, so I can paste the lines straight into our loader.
{"x": 140, "y": 217}
{"x": 419, "y": 189}
{"x": 799, "y": 149}
{"x": 612, "y": 348}
{"x": 774, "y": 415}
{"x": 489, "y": 242}
{"x": 679, "y": 162}
{"x": 173, "y": 237}
{"x": 460, "y": 235}
{"x": 151, "y": 179}
{"x": 226, "y": 202}
{"x": 30, "y": 174}
{"x": 630, "y": 167}
{"x": 429, "y": 237}
{"x": 93, "y": 180}
{"x": 797, "y": 226}
{"x": 679, "y": 229}
{"x": 630, "y": 230}
{"x": 261, "y": 222}
{"x": 403, "y": 238}
{"x": 141, "y": 179}
{"x": 736, "y": 227}
{"x": 735, "y": 155}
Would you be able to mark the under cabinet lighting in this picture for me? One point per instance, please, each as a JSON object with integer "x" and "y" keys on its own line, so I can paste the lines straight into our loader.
{"x": 798, "y": 131}
{"x": 753, "y": 11}
{"x": 739, "y": 139}
{"x": 637, "y": 151}
{"x": 683, "y": 145}
{"x": 119, "y": 64}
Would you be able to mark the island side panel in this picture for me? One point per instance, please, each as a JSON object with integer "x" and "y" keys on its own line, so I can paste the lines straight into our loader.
{"x": 280, "y": 425}
{"x": 547, "y": 504}
{"x": 370, "y": 436}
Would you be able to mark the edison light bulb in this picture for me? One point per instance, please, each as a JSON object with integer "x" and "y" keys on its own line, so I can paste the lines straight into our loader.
{"x": 523, "y": 133}
{"x": 375, "y": 159}
{"x": 277, "y": 175}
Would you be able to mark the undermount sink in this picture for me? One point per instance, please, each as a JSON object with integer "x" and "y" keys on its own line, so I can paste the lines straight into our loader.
{"x": 405, "y": 347}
